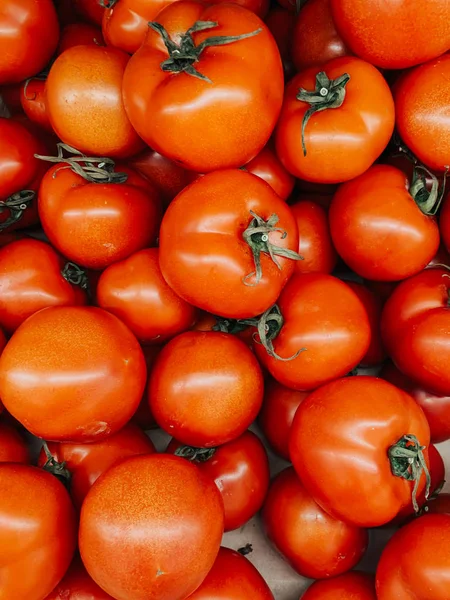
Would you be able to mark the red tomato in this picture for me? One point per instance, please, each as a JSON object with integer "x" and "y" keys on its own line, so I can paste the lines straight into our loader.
{"x": 442, "y": 257}
{"x": 277, "y": 413}
{"x": 335, "y": 122}
{"x": 267, "y": 166}
{"x": 208, "y": 322}
{"x": 315, "y": 544}
{"x": 359, "y": 586}
{"x": 215, "y": 244}
{"x": 222, "y": 388}
{"x": 183, "y": 99}
{"x": 29, "y": 33}
{"x": 86, "y": 462}
{"x": 444, "y": 224}
{"x": 315, "y": 40}
{"x": 381, "y": 289}
{"x": 79, "y": 34}
{"x": 420, "y": 31}
{"x": 232, "y": 577}
{"x": 323, "y": 340}
{"x": 13, "y": 447}
{"x": 72, "y": 374}
{"x": 439, "y": 505}
{"x": 379, "y": 228}
{"x": 97, "y": 223}
{"x": 240, "y": 469}
{"x": 34, "y": 103}
{"x": 11, "y": 99}
{"x": 143, "y": 416}
{"x": 151, "y": 528}
{"x": 38, "y": 533}
{"x": 415, "y": 564}
{"x": 351, "y": 444}
{"x": 77, "y": 585}
{"x": 281, "y": 25}
{"x": 91, "y": 10}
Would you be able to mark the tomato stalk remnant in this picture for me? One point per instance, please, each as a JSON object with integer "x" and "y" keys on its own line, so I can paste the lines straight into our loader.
{"x": 429, "y": 201}
{"x": 269, "y": 325}
{"x": 59, "y": 470}
{"x": 75, "y": 275}
{"x": 16, "y": 204}
{"x": 191, "y": 453}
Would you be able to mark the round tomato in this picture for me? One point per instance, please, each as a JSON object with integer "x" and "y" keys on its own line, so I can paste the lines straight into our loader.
{"x": 29, "y": 33}
{"x": 438, "y": 505}
{"x": 367, "y": 477}
{"x": 34, "y": 103}
{"x": 315, "y": 339}
{"x": 421, "y": 30}
{"x": 13, "y": 447}
{"x": 222, "y": 388}
{"x": 91, "y": 10}
{"x": 72, "y": 374}
{"x": 415, "y": 565}
{"x": 134, "y": 290}
{"x": 268, "y": 167}
{"x": 228, "y": 244}
{"x": 315, "y": 544}
{"x": 38, "y": 533}
{"x": 79, "y": 81}
{"x": 335, "y": 122}
{"x": 172, "y": 101}
{"x": 281, "y": 25}
{"x": 151, "y": 527}
{"x": 79, "y": 34}
{"x": 232, "y": 577}
{"x": 240, "y": 469}
{"x": 360, "y": 586}
{"x": 77, "y": 585}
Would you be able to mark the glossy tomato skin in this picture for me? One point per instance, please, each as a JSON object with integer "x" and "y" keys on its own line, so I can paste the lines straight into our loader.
{"x": 194, "y": 240}
{"x": 365, "y": 416}
{"x": 361, "y": 127}
{"x": 368, "y": 29}
{"x": 233, "y": 131}
{"x": 360, "y": 586}
{"x": 34, "y": 104}
{"x": 222, "y": 388}
{"x": 416, "y": 562}
{"x": 13, "y": 447}
{"x": 232, "y": 577}
{"x": 240, "y": 469}
{"x": 324, "y": 316}
{"x": 77, "y": 585}
{"x": 130, "y": 528}
{"x": 79, "y": 34}
{"x": 378, "y": 229}
{"x": 315, "y": 544}
{"x": 268, "y": 167}
{"x": 72, "y": 374}
{"x": 29, "y": 34}
{"x": 33, "y": 501}
{"x": 97, "y": 125}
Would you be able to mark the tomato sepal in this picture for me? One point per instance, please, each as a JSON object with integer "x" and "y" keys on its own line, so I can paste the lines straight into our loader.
{"x": 55, "y": 468}
{"x": 194, "y": 454}
{"x": 17, "y": 204}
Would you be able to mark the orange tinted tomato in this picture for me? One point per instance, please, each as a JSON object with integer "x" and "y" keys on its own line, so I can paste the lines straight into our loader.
{"x": 77, "y": 585}
{"x": 268, "y": 167}
{"x": 34, "y": 103}
{"x": 79, "y": 34}
{"x": 360, "y": 586}
{"x": 13, "y": 447}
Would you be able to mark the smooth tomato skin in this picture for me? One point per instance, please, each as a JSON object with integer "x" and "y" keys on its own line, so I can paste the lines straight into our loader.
{"x": 34, "y": 103}
{"x": 378, "y": 229}
{"x": 369, "y": 27}
{"x": 315, "y": 544}
{"x": 232, "y": 577}
{"x": 415, "y": 564}
{"x": 72, "y": 374}
{"x": 267, "y": 166}
{"x": 323, "y": 315}
{"x": 38, "y": 535}
{"x": 444, "y": 223}
{"x": 240, "y": 469}
{"x": 361, "y": 127}
{"x": 130, "y": 528}
{"x": 365, "y": 416}
{"x": 360, "y": 586}
{"x": 203, "y": 256}
{"x": 135, "y": 291}
{"x": 13, "y": 447}
{"x": 77, "y": 585}
{"x": 439, "y": 505}
{"x": 316, "y": 247}
{"x": 79, "y": 34}
{"x": 29, "y": 33}
{"x": 84, "y": 101}
{"x": 234, "y": 130}
{"x": 222, "y": 388}
{"x": 277, "y": 414}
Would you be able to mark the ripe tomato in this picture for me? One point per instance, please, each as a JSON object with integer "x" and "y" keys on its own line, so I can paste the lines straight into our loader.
{"x": 222, "y": 388}
{"x": 360, "y": 586}
{"x": 277, "y": 413}
{"x": 240, "y": 469}
{"x": 347, "y": 107}
{"x": 421, "y": 31}
{"x": 13, "y": 447}
{"x": 322, "y": 339}
{"x": 316, "y": 247}
{"x": 315, "y": 544}
{"x": 378, "y": 227}
{"x": 217, "y": 255}
{"x": 151, "y": 527}
{"x": 232, "y": 577}
{"x": 34, "y": 103}
{"x": 268, "y": 167}
{"x": 95, "y": 222}
{"x": 182, "y": 99}
{"x": 38, "y": 533}
{"x": 368, "y": 437}
{"x": 281, "y": 25}
{"x": 77, "y": 585}
{"x": 100, "y": 128}
{"x": 72, "y": 374}
{"x": 439, "y": 505}
{"x": 79, "y": 34}
{"x": 315, "y": 40}
{"x": 415, "y": 564}
{"x": 134, "y": 290}
{"x": 29, "y": 33}
{"x": 442, "y": 257}
{"x": 91, "y": 10}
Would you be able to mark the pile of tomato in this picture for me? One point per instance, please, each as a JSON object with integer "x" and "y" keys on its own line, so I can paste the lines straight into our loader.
{"x": 216, "y": 216}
